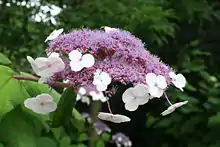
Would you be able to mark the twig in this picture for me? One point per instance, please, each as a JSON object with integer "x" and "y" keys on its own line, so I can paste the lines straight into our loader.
{"x": 60, "y": 84}
{"x": 109, "y": 107}
{"x": 167, "y": 98}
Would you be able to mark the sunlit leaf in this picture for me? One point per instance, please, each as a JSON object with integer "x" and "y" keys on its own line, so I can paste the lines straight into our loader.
{"x": 19, "y": 129}
{"x": 4, "y": 60}
{"x": 12, "y": 93}
{"x": 45, "y": 141}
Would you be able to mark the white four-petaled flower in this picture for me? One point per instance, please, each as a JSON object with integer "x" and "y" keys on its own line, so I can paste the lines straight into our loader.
{"x": 101, "y": 80}
{"x": 116, "y": 118}
{"x": 96, "y": 96}
{"x": 178, "y": 80}
{"x": 79, "y": 61}
{"x": 54, "y": 34}
{"x": 109, "y": 29}
{"x": 81, "y": 96}
{"x": 46, "y": 67}
{"x": 135, "y": 96}
{"x": 156, "y": 84}
{"x": 42, "y": 104}
{"x": 173, "y": 107}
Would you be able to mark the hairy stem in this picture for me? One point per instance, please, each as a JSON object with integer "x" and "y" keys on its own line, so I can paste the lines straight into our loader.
{"x": 167, "y": 98}
{"x": 94, "y": 109}
{"x": 60, "y": 84}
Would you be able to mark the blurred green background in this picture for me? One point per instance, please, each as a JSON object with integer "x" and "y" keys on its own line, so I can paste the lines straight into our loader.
{"x": 184, "y": 34}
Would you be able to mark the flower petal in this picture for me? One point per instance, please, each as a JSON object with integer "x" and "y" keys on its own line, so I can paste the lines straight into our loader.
{"x": 177, "y": 105}
{"x": 88, "y": 60}
{"x": 82, "y": 91}
{"x": 143, "y": 99}
{"x": 105, "y": 116}
{"x": 76, "y": 66}
{"x": 140, "y": 90}
{"x": 120, "y": 118}
{"x": 109, "y": 29}
{"x": 31, "y": 103}
{"x": 131, "y": 105}
{"x": 47, "y": 108}
{"x": 33, "y": 65}
{"x": 101, "y": 87}
{"x": 117, "y": 118}
{"x": 179, "y": 82}
{"x": 103, "y": 99}
{"x": 128, "y": 95}
{"x": 155, "y": 92}
{"x": 96, "y": 96}
{"x": 85, "y": 99}
{"x": 168, "y": 111}
{"x": 161, "y": 82}
{"x": 75, "y": 55}
{"x": 106, "y": 79}
{"x": 54, "y": 54}
{"x": 44, "y": 97}
{"x": 151, "y": 79}
{"x": 97, "y": 81}
{"x": 172, "y": 75}
{"x": 78, "y": 97}
{"x": 54, "y": 34}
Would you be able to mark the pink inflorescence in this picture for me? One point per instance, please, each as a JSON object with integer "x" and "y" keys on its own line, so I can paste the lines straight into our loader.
{"x": 119, "y": 53}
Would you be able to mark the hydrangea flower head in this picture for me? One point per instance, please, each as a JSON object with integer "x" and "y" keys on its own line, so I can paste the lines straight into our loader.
{"x": 101, "y": 127}
{"x": 118, "y": 53}
{"x": 121, "y": 139}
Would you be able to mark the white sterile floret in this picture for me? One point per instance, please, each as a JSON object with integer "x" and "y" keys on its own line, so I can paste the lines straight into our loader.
{"x": 156, "y": 84}
{"x": 46, "y": 67}
{"x": 109, "y": 29}
{"x": 101, "y": 80}
{"x": 53, "y": 54}
{"x": 96, "y": 96}
{"x": 54, "y": 34}
{"x": 116, "y": 118}
{"x": 135, "y": 96}
{"x": 42, "y": 104}
{"x": 173, "y": 107}
{"x": 79, "y": 61}
{"x": 81, "y": 96}
{"x": 178, "y": 80}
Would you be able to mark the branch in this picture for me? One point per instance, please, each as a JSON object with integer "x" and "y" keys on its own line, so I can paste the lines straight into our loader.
{"x": 60, "y": 84}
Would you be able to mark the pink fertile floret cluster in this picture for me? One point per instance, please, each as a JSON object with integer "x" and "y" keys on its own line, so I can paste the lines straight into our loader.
{"x": 119, "y": 53}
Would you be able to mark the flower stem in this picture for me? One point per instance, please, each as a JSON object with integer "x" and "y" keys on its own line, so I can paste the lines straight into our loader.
{"x": 109, "y": 107}
{"x": 60, "y": 84}
{"x": 167, "y": 98}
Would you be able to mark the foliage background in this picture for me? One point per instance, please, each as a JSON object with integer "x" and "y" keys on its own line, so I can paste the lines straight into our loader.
{"x": 184, "y": 33}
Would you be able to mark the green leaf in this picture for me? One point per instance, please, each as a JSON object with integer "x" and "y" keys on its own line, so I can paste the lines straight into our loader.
{"x": 106, "y": 136}
{"x": 81, "y": 145}
{"x": 4, "y": 60}
{"x": 12, "y": 93}
{"x": 45, "y": 141}
{"x": 214, "y": 120}
{"x": 65, "y": 107}
{"x": 83, "y": 137}
{"x": 65, "y": 142}
{"x": 77, "y": 121}
{"x": 100, "y": 143}
{"x": 56, "y": 133}
{"x": 19, "y": 129}
{"x": 1, "y": 145}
